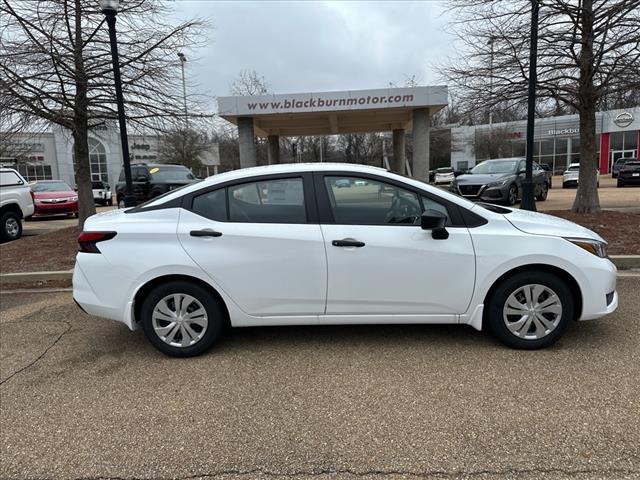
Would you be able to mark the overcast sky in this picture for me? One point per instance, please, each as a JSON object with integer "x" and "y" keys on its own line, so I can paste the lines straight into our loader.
{"x": 316, "y": 46}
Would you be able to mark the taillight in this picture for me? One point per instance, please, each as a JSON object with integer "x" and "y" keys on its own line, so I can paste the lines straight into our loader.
{"x": 88, "y": 240}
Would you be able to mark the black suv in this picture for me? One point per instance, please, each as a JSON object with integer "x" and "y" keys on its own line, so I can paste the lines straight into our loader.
{"x": 152, "y": 179}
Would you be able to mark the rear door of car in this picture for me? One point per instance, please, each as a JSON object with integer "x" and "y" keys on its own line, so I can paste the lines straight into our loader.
{"x": 259, "y": 239}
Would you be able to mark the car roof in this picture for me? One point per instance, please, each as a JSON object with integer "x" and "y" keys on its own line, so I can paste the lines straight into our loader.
{"x": 285, "y": 168}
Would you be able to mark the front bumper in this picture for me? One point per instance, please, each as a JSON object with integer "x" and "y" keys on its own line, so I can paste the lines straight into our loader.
{"x": 627, "y": 180}
{"x": 481, "y": 193}
{"x": 55, "y": 208}
{"x": 599, "y": 295}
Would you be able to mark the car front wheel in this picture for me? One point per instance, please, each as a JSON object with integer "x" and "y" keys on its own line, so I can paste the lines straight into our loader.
{"x": 530, "y": 310}
{"x": 11, "y": 227}
{"x": 619, "y": 184}
{"x": 182, "y": 319}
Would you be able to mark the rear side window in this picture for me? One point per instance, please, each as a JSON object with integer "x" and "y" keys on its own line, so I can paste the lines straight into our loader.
{"x": 271, "y": 201}
{"x": 211, "y": 205}
{"x": 8, "y": 179}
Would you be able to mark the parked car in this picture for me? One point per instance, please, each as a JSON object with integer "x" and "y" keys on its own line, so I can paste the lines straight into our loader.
{"x": 444, "y": 175}
{"x": 629, "y": 174}
{"x": 225, "y": 252}
{"x": 549, "y": 172}
{"x": 571, "y": 175}
{"x": 54, "y": 197}
{"x": 102, "y": 193}
{"x": 618, "y": 164}
{"x": 499, "y": 181}
{"x": 16, "y": 204}
{"x": 150, "y": 180}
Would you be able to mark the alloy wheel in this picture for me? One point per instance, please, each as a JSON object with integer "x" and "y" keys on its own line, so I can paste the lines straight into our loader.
{"x": 532, "y": 311}
{"x": 12, "y": 227}
{"x": 179, "y": 320}
{"x": 512, "y": 195}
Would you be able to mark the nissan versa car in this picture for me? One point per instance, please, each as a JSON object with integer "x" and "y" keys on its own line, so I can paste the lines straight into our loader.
{"x": 499, "y": 181}
{"x": 286, "y": 245}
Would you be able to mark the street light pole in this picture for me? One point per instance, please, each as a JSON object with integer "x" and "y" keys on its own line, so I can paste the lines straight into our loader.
{"x": 528, "y": 201}
{"x": 110, "y": 10}
{"x": 183, "y": 60}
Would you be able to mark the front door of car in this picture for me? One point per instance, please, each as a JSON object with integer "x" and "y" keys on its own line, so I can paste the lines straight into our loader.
{"x": 261, "y": 243}
{"x": 380, "y": 261}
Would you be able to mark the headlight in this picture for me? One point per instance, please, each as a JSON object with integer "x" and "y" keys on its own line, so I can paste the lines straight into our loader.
{"x": 592, "y": 246}
{"x": 72, "y": 199}
{"x": 499, "y": 183}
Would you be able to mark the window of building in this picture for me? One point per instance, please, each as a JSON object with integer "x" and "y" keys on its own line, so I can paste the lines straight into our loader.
{"x": 272, "y": 201}
{"x": 98, "y": 161}
{"x": 31, "y": 173}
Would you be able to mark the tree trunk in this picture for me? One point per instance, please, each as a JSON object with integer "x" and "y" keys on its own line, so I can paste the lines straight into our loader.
{"x": 82, "y": 168}
{"x": 587, "y": 200}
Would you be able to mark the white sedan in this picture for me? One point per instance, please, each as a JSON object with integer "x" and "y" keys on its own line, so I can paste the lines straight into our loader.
{"x": 286, "y": 245}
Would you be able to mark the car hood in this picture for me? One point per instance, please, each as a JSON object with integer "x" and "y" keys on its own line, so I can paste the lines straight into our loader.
{"x": 482, "y": 178}
{"x": 542, "y": 224}
{"x": 62, "y": 194}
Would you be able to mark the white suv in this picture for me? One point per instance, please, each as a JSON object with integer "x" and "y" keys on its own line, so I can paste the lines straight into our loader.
{"x": 16, "y": 203}
{"x": 287, "y": 245}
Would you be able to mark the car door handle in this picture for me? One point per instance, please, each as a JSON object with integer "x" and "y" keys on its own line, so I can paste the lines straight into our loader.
{"x": 205, "y": 233}
{"x": 347, "y": 242}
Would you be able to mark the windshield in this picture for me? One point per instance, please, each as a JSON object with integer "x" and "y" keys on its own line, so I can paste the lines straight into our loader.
{"x": 51, "y": 187}
{"x": 444, "y": 170}
{"x": 573, "y": 168}
{"x": 171, "y": 174}
{"x": 495, "y": 166}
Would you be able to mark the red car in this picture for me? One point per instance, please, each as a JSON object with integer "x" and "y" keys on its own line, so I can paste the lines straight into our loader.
{"x": 54, "y": 197}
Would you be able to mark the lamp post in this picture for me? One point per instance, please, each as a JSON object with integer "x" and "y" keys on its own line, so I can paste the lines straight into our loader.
{"x": 110, "y": 10}
{"x": 183, "y": 60}
{"x": 528, "y": 201}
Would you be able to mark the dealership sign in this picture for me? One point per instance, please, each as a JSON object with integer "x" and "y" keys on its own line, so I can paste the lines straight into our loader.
{"x": 564, "y": 131}
{"x": 333, "y": 101}
{"x": 623, "y": 119}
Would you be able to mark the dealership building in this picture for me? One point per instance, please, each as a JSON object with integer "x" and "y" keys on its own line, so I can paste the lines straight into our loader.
{"x": 556, "y": 140}
{"x": 49, "y": 155}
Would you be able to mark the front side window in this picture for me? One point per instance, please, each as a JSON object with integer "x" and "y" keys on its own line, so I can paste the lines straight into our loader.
{"x": 269, "y": 201}
{"x": 356, "y": 201}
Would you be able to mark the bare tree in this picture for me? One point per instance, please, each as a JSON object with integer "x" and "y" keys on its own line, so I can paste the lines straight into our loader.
{"x": 185, "y": 147}
{"x": 249, "y": 82}
{"x": 588, "y": 51}
{"x": 55, "y": 64}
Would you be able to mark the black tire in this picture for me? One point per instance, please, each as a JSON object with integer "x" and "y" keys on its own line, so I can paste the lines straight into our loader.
{"x": 110, "y": 202}
{"x": 10, "y": 226}
{"x": 619, "y": 184}
{"x": 494, "y": 319}
{"x": 512, "y": 195}
{"x": 215, "y": 313}
{"x": 544, "y": 192}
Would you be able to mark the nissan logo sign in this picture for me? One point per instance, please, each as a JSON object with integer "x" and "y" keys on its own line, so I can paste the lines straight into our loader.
{"x": 623, "y": 119}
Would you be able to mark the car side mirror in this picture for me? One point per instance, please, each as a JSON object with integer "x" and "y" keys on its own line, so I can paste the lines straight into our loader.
{"x": 435, "y": 221}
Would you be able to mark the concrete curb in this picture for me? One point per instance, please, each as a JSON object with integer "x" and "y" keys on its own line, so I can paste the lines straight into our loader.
{"x": 626, "y": 262}
{"x": 8, "y": 278}
{"x": 623, "y": 262}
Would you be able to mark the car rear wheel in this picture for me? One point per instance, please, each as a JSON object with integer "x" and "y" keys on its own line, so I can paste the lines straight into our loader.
{"x": 512, "y": 195}
{"x": 11, "y": 227}
{"x": 544, "y": 192}
{"x": 530, "y": 310}
{"x": 182, "y": 319}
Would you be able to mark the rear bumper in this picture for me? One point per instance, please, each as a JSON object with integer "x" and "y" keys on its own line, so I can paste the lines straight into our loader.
{"x": 629, "y": 180}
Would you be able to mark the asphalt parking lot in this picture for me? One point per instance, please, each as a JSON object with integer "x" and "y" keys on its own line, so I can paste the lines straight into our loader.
{"x": 85, "y": 398}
